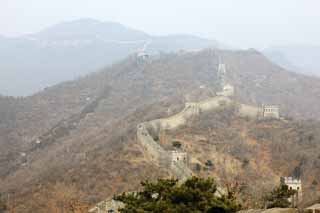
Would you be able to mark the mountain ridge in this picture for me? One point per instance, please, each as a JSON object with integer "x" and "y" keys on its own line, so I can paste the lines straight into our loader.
{"x": 74, "y": 49}
{"x": 296, "y": 57}
{"x": 80, "y": 136}
{"x": 88, "y": 28}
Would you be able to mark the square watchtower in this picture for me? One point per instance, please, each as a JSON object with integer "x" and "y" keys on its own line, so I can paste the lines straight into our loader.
{"x": 271, "y": 111}
{"x": 293, "y": 184}
{"x": 179, "y": 157}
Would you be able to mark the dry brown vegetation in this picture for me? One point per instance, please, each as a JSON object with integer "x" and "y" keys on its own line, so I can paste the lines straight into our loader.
{"x": 252, "y": 154}
{"x": 87, "y": 128}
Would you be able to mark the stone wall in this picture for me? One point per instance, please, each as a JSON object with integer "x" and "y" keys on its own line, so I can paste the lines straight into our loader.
{"x": 191, "y": 110}
{"x": 215, "y": 103}
{"x": 249, "y": 111}
{"x": 147, "y": 131}
{"x": 152, "y": 148}
{"x": 160, "y": 156}
{"x": 181, "y": 170}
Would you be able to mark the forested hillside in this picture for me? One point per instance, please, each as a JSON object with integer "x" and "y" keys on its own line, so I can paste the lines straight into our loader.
{"x": 75, "y": 143}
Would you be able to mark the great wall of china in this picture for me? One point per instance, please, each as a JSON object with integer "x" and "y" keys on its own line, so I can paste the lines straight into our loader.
{"x": 177, "y": 161}
{"x": 158, "y": 154}
{"x": 148, "y": 131}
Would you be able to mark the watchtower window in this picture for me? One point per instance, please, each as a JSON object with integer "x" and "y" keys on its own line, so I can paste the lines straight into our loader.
{"x": 177, "y": 158}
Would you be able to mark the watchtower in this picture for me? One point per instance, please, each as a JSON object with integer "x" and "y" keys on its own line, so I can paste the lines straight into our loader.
{"x": 293, "y": 184}
{"x": 142, "y": 55}
{"x": 271, "y": 111}
{"x": 222, "y": 75}
{"x": 179, "y": 157}
{"x": 226, "y": 89}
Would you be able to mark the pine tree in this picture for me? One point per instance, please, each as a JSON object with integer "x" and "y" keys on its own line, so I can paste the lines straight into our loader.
{"x": 166, "y": 195}
{"x": 279, "y": 197}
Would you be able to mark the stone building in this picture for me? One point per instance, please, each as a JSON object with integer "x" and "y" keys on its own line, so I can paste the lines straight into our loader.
{"x": 294, "y": 184}
{"x": 179, "y": 164}
{"x": 143, "y": 56}
{"x": 222, "y": 74}
{"x": 179, "y": 157}
{"x": 271, "y": 111}
{"x": 227, "y": 90}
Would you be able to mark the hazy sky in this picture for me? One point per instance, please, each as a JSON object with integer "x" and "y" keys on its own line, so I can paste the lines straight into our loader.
{"x": 244, "y": 23}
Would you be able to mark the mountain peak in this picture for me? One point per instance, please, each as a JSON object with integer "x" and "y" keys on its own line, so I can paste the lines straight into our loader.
{"x": 78, "y": 47}
{"x": 89, "y": 28}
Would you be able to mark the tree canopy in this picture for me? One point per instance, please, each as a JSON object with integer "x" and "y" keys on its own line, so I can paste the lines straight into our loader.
{"x": 279, "y": 197}
{"x": 167, "y": 195}
{"x": 3, "y": 206}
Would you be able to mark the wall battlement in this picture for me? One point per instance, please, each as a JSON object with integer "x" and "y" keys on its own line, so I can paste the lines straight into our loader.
{"x": 292, "y": 183}
{"x": 250, "y": 111}
{"x": 162, "y": 157}
{"x": 152, "y": 148}
{"x": 191, "y": 110}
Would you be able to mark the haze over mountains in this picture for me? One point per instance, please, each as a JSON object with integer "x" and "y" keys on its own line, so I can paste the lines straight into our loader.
{"x": 68, "y": 50}
{"x": 142, "y": 90}
{"x": 76, "y": 140}
{"x": 301, "y": 58}
{"x": 72, "y": 49}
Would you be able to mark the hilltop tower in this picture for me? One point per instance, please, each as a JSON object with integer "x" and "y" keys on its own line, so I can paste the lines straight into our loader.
{"x": 222, "y": 75}
{"x": 226, "y": 88}
{"x": 142, "y": 55}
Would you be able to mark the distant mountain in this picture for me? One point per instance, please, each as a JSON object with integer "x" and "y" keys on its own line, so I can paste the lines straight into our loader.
{"x": 89, "y": 29}
{"x": 299, "y": 58}
{"x": 68, "y": 50}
